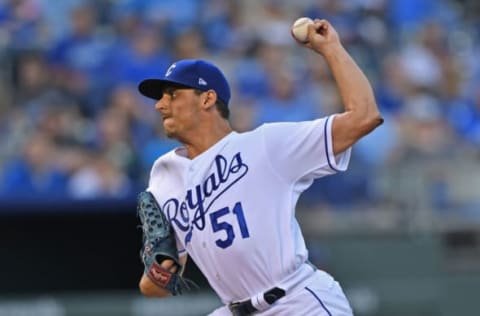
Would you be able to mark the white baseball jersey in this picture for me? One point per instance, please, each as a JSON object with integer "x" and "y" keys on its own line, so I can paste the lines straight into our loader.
{"x": 233, "y": 206}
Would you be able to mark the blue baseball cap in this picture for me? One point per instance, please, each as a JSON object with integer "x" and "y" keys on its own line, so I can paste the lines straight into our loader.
{"x": 194, "y": 73}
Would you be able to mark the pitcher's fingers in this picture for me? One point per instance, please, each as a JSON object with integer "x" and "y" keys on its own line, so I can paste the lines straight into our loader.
{"x": 321, "y": 26}
{"x": 169, "y": 265}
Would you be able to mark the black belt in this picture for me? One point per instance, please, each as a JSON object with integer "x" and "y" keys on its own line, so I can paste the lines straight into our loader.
{"x": 246, "y": 308}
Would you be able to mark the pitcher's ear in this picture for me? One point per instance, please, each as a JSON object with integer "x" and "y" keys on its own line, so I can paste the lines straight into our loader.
{"x": 209, "y": 98}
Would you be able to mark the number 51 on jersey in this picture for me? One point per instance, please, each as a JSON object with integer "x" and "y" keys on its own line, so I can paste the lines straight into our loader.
{"x": 219, "y": 224}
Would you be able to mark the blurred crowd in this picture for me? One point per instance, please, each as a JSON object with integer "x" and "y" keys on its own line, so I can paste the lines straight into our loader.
{"x": 74, "y": 126}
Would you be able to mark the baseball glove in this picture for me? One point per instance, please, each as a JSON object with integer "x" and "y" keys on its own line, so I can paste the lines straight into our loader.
{"x": 158, "y": 245}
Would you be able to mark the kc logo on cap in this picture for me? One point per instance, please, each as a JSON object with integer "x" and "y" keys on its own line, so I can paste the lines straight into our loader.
{"x": 170, "y": 69}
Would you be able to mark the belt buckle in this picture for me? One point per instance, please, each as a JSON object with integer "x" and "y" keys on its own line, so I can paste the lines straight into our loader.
{"x": 273, "y": 295}
{"x": 246, "y": 308}
{"x": 233, "y": 307}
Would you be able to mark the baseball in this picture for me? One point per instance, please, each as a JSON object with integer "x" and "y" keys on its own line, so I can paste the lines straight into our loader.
{"x": 300, "y": 29}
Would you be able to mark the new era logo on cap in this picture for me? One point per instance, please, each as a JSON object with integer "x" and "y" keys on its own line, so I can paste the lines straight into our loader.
{"x": 194, "y": 73}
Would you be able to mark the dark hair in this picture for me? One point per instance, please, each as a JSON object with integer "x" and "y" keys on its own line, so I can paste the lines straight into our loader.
{"x": 222, "y": 108}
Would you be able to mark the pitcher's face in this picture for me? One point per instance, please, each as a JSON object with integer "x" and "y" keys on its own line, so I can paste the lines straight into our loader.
{"x": 180, "y": 110}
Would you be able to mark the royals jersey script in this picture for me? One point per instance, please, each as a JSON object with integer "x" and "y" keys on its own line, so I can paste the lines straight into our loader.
{"x": 233, "y": 206}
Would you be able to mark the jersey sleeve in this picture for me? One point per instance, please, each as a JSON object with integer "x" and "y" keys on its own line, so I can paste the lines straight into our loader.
{"x": 153, "y": 187}
{"x": 303, "y": 149}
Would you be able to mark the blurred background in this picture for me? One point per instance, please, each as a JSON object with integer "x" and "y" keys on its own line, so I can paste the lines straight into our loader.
{"x": 400, "y": 230}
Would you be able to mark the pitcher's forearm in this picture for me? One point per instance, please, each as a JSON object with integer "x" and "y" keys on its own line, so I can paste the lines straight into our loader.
{"x": 353, "y": 86}
{"x": 360, "y": 115}
{"x": 149, "y": 289}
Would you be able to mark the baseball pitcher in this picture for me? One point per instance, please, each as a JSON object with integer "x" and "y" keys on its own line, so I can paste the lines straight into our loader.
{"x": 227, "y": 199}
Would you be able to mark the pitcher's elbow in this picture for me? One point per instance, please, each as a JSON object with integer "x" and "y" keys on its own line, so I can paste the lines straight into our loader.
{"x": 376, "y": 119}
{"x": 365, "y": 113}
{"x": 370, "y": 122}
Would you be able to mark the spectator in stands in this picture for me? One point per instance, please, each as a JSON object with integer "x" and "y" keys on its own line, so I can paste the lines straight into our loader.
{"x": 68, "y": 66}
{"x": 34, "y": 174}
{"x": 143, "y": 54}
{"x": 79, "y": 60}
